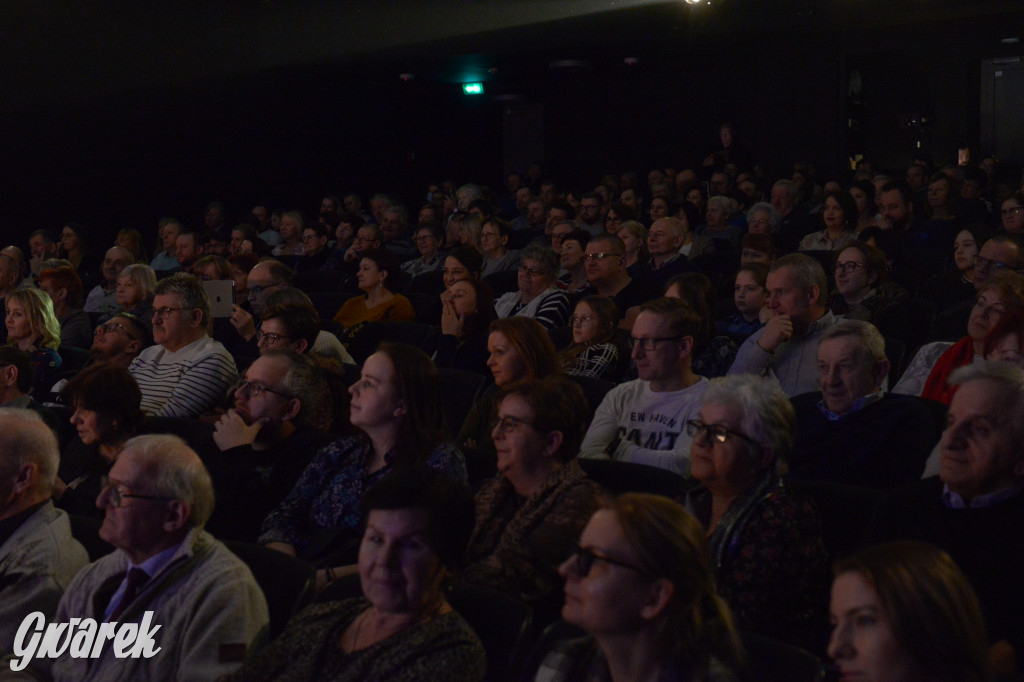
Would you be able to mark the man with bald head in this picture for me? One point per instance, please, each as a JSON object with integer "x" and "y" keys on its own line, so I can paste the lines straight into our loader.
{"x": 204, "y": 598}
{"x": 38, "y": 555}
{"x": 25, "y": 279}
{"x": 103, "y": 297}
{"x": 664, "y": 240}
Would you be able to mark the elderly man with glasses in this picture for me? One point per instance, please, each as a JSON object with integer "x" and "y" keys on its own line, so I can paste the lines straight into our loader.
{"x": 187, "y": 371}
{"x": 166, "y": 571}
{"x": 643, "y": 420}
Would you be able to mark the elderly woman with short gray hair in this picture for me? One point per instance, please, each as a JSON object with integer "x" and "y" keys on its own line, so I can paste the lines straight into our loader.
{"x": 766, "y": 546}
{"x": 537, "y": 296}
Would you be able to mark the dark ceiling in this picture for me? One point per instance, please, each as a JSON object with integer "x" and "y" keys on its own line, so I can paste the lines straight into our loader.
{"x": 60, "y": 52}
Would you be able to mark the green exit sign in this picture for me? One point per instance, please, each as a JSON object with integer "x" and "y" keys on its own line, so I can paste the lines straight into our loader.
{"x": 472, "y": 88}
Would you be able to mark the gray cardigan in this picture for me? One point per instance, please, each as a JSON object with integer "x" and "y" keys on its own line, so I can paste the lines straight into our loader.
{"x": 205, "y": 599}
{"x": 37, "y": 563}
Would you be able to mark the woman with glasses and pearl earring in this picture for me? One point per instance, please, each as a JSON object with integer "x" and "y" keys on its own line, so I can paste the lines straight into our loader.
{"x": 766, "y": 547}
{"x": 531, "y": 513}
{"x": 640, "y": 587}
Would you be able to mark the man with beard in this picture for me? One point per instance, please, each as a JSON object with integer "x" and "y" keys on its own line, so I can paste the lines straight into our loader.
{"x": 266, "y": 440}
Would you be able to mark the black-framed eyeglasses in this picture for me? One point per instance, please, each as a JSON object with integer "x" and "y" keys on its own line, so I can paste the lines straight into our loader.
{"x": 508, "y": 424}
{"x": 530, "y": 272}
{"x": 601, "y": 256}
{"x": 252, "y": 292}
{"x": 585, "y": 559}
{"x": 716, "y": 432}
{"x": 271, "y": 338}
{"x": 985, "y": 263}
{"x": 166, "y": 310}
{"x": 117, "y": 494}
{"x": 849, "y": 267}
{"x": 254, "y": 389}
{"x": 653, "y": 343}
{"x": 1007, "y": 212}
{"x": 111, "y": 326}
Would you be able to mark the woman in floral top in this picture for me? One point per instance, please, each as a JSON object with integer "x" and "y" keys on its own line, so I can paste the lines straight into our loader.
{"x": 396, "y": 406}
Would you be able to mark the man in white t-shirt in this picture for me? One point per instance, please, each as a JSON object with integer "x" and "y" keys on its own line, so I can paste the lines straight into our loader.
{"x": 644, "y": 420}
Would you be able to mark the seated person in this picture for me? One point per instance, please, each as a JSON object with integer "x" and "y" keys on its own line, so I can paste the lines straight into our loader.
{"x": 166, "y": 569}
{"x": 16, "y": 382}
{"x": 314, "y": 244}
{"x": 839, "y": 222}
{"x": 494, "y": 234}
{"x": 574, "y": 281}
{"x": 264, "y": 443}
{"x": 466, "y": 316}
{"x": 750, "y": 296}
{"x": 64, "y": 288}
{"x": 378, "y": 274}
{"x": 537, "y": 296}
{"x": 135, "y": 287}
{"x": 105, "y": 403}
{"x": 186, "y": 372}
{"x": 863, "y": 292}
{"x": 103, "y": 297}
{"x": 850, "y": 432}
{"x": 643, "y": 420}
{"x": 38, "y": 555}
{"x": 32, "y": 327}
{"x": 786, "y": 347}
{"x": 977, "y": 500}
{"x": 428, "y": 243}
{"x": 403, "y": 628}
{"x": 531, "y": 513}
{"x": 902, "y": 588}
{"x": 119, "y": 340}
{"x": 928, "y": 373}
{"x": 518, "y": 348}
{"x": 766, "y": 545}
{"x": 640, "y": 586}
{"x": 291, "y": 316}
{"x": 592, "y": 352}
{"x": 396, "y": 407}
{"x": 605, "y": 260}
{"x": 712, "y": 355}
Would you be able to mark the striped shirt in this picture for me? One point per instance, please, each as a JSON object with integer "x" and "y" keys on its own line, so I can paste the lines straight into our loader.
{"x": 186, "y": 382}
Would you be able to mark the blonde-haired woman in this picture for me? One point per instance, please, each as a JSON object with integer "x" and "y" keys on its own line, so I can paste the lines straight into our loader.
{"x": 33, "y": 328}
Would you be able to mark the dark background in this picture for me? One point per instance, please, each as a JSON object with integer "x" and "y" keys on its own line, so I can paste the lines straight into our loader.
{"x": 115, "y": 116}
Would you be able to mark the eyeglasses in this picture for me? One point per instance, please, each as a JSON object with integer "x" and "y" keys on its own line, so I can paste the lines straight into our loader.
{"x": 111, "y": 326}
{"x": 585, "y": 559}
{"x": 508, "y": 424}
{"x": 166, "y": 310}
{"x": 985, "y": 263}
{"x": 530, "y": 272}
{"x": 849, "y": 267}
{"x": 253, "y": 292}
{"x": 271, "y": 338}
{"x": 1007, "y": 212}
{"x": 117, "y": 494}
{"x": 254, "y": 389}
{"x": 716, "y": 432}
{"x": 652, "y": 343}
{"x": 601, "y": 256}
{"x": 581, "y": 321}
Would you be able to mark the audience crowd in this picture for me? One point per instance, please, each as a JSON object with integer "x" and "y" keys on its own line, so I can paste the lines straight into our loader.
{"x": 704, "y": 387}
